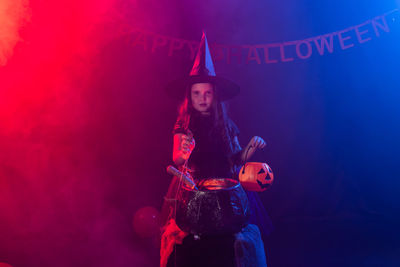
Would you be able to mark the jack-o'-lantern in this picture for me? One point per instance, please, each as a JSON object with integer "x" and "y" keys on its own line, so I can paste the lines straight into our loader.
{"x": 256, "y": 176}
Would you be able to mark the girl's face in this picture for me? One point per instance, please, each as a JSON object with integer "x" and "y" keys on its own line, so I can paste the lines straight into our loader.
{"x": 202, "y": 95}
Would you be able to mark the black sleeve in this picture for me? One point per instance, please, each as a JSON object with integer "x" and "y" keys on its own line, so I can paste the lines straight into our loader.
{"x": 236, "y": 149}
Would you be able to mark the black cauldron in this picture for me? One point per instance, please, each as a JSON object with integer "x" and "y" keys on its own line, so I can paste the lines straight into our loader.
{"x": 220, "y": 206}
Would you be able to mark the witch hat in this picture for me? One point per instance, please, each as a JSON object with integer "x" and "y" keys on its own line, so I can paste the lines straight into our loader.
{"x": 203, "y": 72}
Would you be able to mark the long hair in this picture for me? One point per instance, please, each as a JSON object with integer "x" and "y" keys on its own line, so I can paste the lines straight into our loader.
{"x": 218, "y": 113}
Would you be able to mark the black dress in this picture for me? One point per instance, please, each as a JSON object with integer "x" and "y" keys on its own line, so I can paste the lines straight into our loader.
{"x": 212, "y": 157}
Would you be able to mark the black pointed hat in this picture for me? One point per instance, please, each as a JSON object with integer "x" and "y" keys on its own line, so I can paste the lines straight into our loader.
{"x": 203, "y": 72}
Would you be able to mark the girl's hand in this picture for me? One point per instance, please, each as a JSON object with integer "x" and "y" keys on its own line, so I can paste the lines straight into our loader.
{"x": 187, "y": 144}
{"x": 257, "y": 142}
{"x": 183, "y": 147}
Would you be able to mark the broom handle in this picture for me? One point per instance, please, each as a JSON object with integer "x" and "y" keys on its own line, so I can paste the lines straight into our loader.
{"x": 188, "y": 181}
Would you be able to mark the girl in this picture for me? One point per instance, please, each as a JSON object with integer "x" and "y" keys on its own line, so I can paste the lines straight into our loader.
{"x": 205, "y": 144}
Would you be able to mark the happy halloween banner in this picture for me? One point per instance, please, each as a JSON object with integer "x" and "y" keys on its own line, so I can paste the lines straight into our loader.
{"x": 272, "y": 52}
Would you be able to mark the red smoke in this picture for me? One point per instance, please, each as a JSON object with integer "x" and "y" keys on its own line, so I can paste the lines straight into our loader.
{"x": 47, "y": 49}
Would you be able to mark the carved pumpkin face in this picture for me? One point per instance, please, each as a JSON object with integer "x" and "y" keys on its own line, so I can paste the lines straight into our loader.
{"x": 256, "y": 176}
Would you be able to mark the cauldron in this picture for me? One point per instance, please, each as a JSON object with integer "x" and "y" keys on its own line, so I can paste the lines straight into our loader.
{"x": 220, "y": 206}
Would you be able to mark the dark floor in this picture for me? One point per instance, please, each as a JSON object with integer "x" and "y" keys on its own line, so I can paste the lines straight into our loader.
{"x": 348, "y": 241}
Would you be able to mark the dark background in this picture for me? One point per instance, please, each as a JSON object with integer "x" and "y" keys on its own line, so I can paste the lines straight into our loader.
{"x": 85, "y": 130}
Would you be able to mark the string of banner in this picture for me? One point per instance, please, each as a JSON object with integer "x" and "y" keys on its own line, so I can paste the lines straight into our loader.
{"x": 272, "y": 52}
